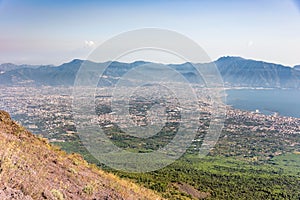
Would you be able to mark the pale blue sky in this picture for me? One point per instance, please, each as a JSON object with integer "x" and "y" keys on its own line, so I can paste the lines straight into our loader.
{"x": 53, "y": 31}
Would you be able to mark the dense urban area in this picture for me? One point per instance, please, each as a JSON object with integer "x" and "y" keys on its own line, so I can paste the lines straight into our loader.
{"x": 257, "y": 155}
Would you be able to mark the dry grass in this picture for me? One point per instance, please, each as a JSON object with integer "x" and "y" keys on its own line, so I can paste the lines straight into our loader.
{"x": 40, "y": 170}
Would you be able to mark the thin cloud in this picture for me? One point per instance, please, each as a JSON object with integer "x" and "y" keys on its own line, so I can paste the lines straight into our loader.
{"x": 89, "y": 43}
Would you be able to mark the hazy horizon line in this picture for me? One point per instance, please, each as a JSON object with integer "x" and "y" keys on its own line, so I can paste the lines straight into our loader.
{"x": 152, "y": 61}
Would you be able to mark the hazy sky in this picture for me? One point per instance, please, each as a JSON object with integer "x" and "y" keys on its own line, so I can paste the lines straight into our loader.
{"x": 55, "y": 31}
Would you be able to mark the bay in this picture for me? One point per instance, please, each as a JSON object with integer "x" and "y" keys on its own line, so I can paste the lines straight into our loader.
{"x": 285, "y": 102}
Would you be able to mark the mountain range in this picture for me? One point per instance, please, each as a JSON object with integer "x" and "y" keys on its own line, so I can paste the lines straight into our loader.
{"x": 10, "y": 66}
{"x": 235, "y": 72}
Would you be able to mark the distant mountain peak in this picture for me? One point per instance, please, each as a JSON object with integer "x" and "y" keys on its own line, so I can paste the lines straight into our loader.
{"x": 139, "y": 62}
{"x": 76, "y": 60}
{"x": 224, "y": 58}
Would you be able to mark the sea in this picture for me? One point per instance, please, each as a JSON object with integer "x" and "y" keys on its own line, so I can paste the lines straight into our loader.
{"x": 284, "y": 102}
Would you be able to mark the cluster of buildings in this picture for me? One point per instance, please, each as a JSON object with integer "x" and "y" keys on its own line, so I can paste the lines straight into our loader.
{"x": 48, "y": 111}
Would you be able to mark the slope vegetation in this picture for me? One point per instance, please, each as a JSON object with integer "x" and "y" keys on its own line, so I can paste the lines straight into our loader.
{"x": 31, "y": 168}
